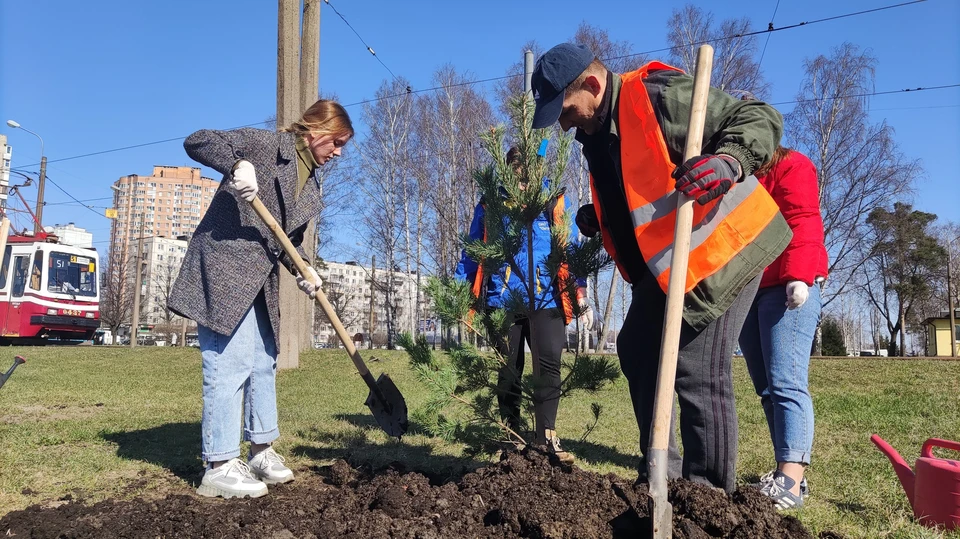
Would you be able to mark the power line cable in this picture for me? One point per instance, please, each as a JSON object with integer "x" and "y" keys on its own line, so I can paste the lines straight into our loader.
{"x": 415, "y": 160}
{"x": 139, "y": 145}
{"x": 80, "y": 201}
{"x": 769, "y": 29}
{"x": 767, "y": 42}
{"x": 867, "y": 94}
{"x": 369, "y": 48}
{"x": 491, "y": 79}
{"x": 55, "y": 184}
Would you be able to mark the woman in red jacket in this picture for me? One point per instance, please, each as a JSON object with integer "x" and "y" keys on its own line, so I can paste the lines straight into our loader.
{"x": 778, "y": 334}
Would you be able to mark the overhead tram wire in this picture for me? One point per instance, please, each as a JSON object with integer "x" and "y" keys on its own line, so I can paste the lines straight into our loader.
{"x": 770, "y": 30}
{"x": 769, "y": 33}
{"x": 444, "y": 154}
{"x": 55, "y": 184}
{"x": 491, "y": 79}
{"x": 369, "y": 48}
{"x": 867, "y": 94}
{"x": 888, "y": 92}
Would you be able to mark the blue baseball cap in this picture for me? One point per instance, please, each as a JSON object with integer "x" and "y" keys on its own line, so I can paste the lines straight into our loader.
{"x": 555, "y": 70}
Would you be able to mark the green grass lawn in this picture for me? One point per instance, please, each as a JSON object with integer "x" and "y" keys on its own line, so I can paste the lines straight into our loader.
{"x": 95, "y": 423}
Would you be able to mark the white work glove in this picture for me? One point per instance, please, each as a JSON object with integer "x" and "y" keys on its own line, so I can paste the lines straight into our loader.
{"x": 797, "y": 292}
{"x": 586, "y": 316}
{"x": 243, "y": 180}
{"x": 309, "y": 284}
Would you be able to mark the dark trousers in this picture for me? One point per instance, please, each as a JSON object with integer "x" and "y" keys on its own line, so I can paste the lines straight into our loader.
{"x": 704, "y": 386}
{"x": 550, "y": 328}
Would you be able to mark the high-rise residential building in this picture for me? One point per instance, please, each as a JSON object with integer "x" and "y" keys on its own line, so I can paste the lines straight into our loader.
{"x": 169, "y": 203}
{"x": 161, "y": 259}
{"x": 164, "y": 210}
{"x": 70, "y": 234}
{"x": 6, "y": 154}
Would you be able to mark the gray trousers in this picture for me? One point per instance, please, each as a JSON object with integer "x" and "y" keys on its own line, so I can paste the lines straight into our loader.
{"x": 704, "y": 386}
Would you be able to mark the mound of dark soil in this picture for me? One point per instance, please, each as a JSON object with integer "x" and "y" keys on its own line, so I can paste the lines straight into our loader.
{"x": 525, "y": 495}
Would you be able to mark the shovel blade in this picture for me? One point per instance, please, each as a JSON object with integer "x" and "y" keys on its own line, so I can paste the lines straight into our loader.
{"x": 392, "y": 414}
{"x": 661, "y": 516}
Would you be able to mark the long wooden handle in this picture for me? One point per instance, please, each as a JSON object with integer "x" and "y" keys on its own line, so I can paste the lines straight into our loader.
{"x": 303, "y": 268}
{"x": 673, "y": 318}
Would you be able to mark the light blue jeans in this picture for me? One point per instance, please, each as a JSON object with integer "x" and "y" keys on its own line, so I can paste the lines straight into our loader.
{"x": 776, "y": 344}
{"x": 239, "y": 385}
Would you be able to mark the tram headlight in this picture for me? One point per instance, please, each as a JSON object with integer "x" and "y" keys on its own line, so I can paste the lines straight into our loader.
{"x": 89, "y": 315}
{"x": 52, "y": 312}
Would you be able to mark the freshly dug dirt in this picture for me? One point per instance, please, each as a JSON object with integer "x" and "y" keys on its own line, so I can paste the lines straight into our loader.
{"x": 525, "y": 495}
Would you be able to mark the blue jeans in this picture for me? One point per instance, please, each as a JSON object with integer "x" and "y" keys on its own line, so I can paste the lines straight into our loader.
{"x": 239, "y": 385}
{"x": 776, "y": 344}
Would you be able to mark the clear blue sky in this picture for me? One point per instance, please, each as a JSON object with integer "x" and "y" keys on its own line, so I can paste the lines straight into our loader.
{"x": 92, "y": 76}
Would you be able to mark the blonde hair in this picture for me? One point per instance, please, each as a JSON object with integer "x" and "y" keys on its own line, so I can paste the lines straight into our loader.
{"x": 325, "y": 117}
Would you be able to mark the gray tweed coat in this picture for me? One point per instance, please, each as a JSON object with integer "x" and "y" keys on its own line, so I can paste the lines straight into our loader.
{"x": 233, "y": 255}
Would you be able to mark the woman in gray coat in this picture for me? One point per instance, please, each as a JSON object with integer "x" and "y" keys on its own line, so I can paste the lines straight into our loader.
{"x": 229, "y": 285}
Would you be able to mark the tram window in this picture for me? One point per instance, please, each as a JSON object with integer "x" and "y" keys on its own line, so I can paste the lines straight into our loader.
{"x": 72, "y": 274}
{"x": 20, "y": 268}
{"x": 37, "y": 270}
{"x": 6, "y": 266}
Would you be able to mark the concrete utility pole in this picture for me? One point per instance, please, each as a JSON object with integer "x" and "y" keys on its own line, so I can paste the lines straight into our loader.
{"x": 298, "y": 59}
{"x": 309, "y": 91}
{"x": 310, "y": 55}
{"x": 953, "y": 319}
{"x": 135, "y": 320}
{"x": 38, "y": 226}
{"x": 528, "y": 72}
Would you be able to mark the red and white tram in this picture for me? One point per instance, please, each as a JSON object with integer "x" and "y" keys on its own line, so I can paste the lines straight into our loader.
{"x": 48, "y": 291}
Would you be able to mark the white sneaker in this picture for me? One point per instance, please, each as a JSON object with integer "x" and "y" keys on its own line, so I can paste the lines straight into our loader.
{"x": 268, "y": 466}
{"x": 231, "y": 480}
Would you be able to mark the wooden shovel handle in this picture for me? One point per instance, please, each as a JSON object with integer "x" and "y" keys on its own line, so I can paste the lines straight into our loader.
{"x": 303, "y": 268}
{"x": 673, "y": 318}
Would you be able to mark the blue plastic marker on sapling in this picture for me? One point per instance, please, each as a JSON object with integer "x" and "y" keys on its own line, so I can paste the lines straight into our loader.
{"x": 542, "y": 152}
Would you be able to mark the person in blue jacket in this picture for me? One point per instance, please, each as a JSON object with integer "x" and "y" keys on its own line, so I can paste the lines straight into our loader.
{"x": 552, "y": 313}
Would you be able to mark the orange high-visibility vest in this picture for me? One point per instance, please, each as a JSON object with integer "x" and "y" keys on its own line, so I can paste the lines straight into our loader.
{"x": 563, "y": 273}
{"x": 721, "y": 228}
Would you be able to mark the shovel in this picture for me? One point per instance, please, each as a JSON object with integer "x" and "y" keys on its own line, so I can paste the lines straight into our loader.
{"x": 385, "y": 400}
{"x": 17, "y": 361}
{"x": 661, "y": 511}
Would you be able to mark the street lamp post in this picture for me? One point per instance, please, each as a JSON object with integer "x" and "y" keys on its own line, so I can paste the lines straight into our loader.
{"x": 38, "y": 227}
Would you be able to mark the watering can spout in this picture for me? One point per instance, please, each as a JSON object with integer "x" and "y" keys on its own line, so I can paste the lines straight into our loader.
{"x": 900, "y": 466}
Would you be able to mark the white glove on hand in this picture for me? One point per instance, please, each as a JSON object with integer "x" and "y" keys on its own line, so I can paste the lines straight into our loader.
{"x": 243, "y": 180}
{"x": 797, "y": 292}
{"x": 310, "y": 284}
{"x": 586, "y": 317}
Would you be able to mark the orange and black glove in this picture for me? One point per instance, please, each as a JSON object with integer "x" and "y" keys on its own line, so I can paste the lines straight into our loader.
{"x": 707, "y": 177}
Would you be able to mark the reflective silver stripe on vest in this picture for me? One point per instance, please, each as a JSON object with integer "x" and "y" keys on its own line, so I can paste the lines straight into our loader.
{"x": 660, "y": 262}
{"x": 661, "y": 207}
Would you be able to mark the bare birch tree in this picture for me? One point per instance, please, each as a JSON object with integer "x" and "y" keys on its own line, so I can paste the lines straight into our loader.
{"x": 116, "y": 302}
{"x": 450, "y": 121}
{"x": 384, "y": 155}
{"x": 735, "y": 67}
{"x": 859, "y": 165}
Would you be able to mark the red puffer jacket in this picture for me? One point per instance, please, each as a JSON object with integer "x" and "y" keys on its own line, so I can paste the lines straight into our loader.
{"x": 793, "y": 184}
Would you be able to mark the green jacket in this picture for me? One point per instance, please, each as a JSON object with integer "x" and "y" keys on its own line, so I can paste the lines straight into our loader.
{"x": 747, "y": 130}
